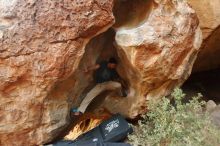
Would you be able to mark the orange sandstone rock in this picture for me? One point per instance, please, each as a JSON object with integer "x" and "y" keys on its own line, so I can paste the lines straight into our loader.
{"x": 45, "y": 45}
{"x": 41, "y": 44}
{"x": 209, "y": 16}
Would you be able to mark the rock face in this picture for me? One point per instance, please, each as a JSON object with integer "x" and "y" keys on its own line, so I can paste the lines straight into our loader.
{"x": 156, "y": 54}
{"x": 209, "y": 16}
{"x": 45, "y": 45}
{"x": 41, "y": 44}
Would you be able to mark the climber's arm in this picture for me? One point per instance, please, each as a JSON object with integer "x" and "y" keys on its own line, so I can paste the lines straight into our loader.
{"x": 95, "y": 67}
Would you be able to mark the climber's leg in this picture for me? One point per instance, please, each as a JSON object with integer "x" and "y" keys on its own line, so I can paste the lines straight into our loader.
{"x": 99, "y": 88}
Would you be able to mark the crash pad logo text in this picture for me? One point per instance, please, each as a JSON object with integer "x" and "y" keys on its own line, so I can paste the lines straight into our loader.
{"x": 110, "y": 126}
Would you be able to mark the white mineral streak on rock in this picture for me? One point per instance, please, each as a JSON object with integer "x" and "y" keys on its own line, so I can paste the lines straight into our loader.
{"x": 158, "y": 54}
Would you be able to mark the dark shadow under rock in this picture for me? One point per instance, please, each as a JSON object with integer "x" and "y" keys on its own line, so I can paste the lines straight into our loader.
{"x": 207, "y": 83}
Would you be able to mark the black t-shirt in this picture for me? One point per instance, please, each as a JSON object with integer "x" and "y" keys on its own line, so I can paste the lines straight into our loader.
{"x": 104, "y": 74}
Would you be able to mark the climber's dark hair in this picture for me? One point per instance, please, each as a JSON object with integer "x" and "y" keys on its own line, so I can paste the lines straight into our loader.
{"x": 112, "y": 60}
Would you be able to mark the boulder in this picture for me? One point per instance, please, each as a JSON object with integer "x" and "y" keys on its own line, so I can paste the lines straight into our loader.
{"x": 210, "y": 105}
{"x": 157, "y": 50}
{"x": 41, "y": 44}
{"x": 215, "y": 116}
{"x": 209, "y": 15}
{"x": 46, "y": 45}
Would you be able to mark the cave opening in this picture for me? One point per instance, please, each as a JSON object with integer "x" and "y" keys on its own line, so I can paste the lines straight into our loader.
{"x": 128, "y": 14}
{"x": 81, "y": 85}
{"x": 101, "y": 48}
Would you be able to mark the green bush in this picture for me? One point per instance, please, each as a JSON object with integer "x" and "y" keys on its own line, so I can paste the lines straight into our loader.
{"x": 176, "y": 124}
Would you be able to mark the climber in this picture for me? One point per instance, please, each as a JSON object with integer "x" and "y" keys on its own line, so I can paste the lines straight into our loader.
{"x": 106, "y": 78}
{"x": 105, "y": 71}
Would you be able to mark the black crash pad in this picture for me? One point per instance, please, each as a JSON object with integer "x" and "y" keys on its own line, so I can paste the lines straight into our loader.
{"x": 114, "y": 129}
{"x": 71, "y": 143}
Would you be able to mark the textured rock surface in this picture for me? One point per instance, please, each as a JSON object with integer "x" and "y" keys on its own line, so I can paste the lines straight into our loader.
{"x": 209, "y": 15}
{"x": 214, "y": 111}
{"x": 210, "y": 105}
{"x": 215, "y": 115}
{"x": 41, "y": 44}
{"x": 42, "y": 55}
{"x": 156, "y": 54}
